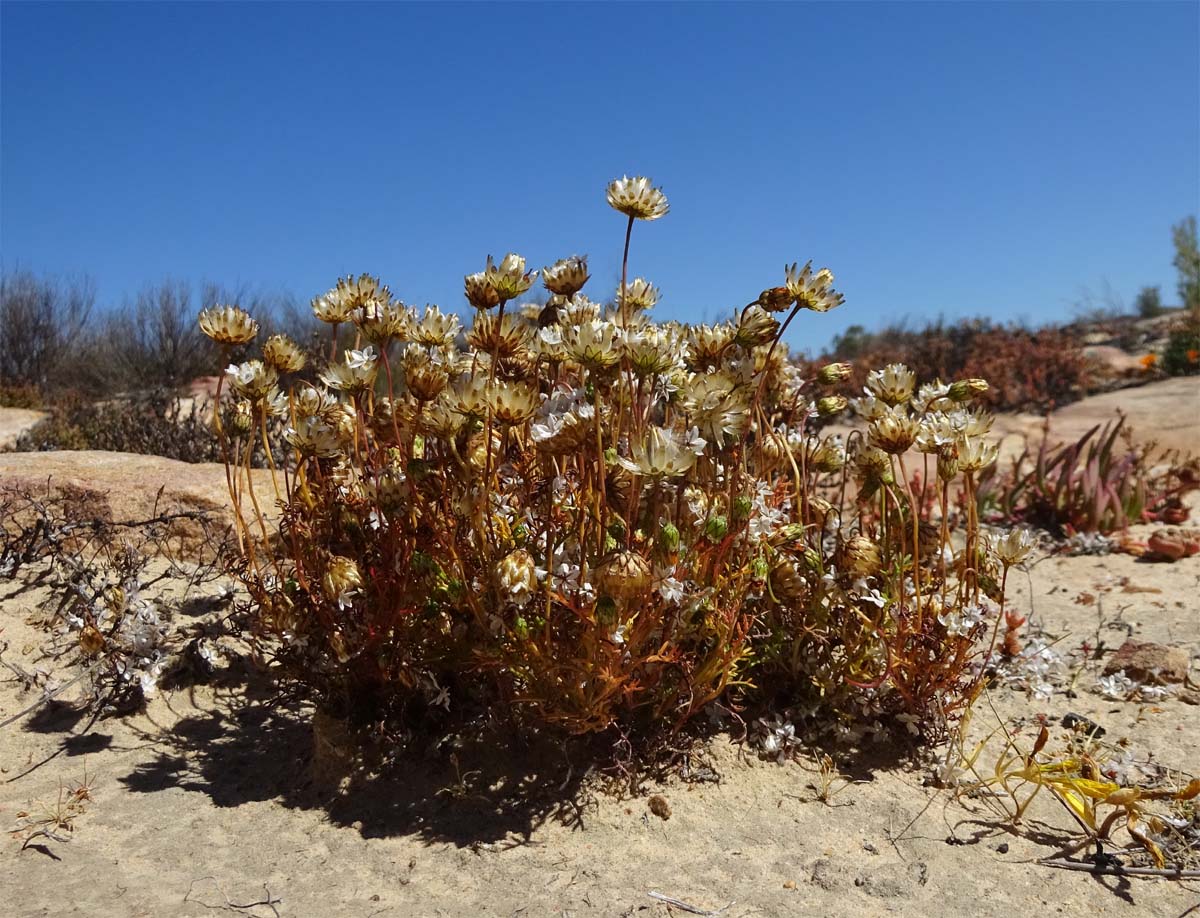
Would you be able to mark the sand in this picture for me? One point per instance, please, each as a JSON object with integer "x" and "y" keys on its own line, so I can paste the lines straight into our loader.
{"x": 209, "y": 802}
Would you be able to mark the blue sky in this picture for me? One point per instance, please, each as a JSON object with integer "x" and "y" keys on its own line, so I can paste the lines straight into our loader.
{"x": 956, "y": 159}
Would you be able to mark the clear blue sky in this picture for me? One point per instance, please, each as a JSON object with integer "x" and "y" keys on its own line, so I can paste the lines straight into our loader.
{"x": 958, "y": 159}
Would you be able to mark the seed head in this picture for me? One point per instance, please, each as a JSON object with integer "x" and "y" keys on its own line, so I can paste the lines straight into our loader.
{"x": 624, "y": 575}
{"x": 862, "y": 556}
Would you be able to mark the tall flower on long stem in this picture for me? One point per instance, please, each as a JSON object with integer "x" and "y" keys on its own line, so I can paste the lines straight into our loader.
{"x": 638, "y": 200}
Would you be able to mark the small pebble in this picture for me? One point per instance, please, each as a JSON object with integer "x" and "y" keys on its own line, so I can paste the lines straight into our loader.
{"x": 1002, "y": 847}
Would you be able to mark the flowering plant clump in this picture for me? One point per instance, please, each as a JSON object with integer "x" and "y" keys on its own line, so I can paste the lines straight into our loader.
{"x": 597, "y": 519}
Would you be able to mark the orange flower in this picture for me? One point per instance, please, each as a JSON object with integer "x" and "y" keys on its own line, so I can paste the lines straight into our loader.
{"x": 1149, "y": 362}
{"x": 1193, "y": 356}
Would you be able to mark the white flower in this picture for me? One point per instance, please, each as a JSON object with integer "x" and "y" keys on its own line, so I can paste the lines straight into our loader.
{"x": 671, "y": 590}
{"x": 1117, "y": 686}
{"x": 358, "y": 360}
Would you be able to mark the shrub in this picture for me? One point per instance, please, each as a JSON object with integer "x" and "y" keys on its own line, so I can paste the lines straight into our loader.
{"x": 1149, "y": 303}
{"x": 1181, "y": 356}
{"x": 593, "y": 521}
{"x": 153, "y": 424}
{"x": 40, "y": 320}
{"x": 1026, "y": 369}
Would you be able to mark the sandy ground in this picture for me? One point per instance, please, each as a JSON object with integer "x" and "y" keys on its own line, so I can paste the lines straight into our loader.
{"x": 208, "y": 802}
{"x": 15, "y": 421}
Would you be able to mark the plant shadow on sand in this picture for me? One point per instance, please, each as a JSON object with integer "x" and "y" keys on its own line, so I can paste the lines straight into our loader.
{"x": 480, "y": 787}
{"x": 487, "y": 785}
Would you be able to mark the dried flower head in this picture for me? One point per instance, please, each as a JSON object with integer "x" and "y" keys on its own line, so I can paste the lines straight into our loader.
{"x": 707, "y": 344}
{"x": 894, "y": 432}
{"x": 637, "y": 198}
{"x": 813, "y": 291}
{"x": 1014, "y": 547}
{"x": 516, "y": 577}
{"x": 283, "y": 354}
{"x": 566, "y": 276}
{"x": 228, "y": 325}
{"x": 380, "y": 321}
{"x": 251, "y": 380}
{"x": 505, "y": 338}
{"x": 479, "y": 291}
{"x": 594, "y": 345}
{"x": 355, "y": 375}
{"x": 862, "y": 556}
{"x": 755, "y": 327}
{"x": 332, "y": 307}
{"x": 625, "y": 575}
{"x": 342, "y": 580}
{"x": 426, "y": 372}
{"x": 640, "y": 295}
{"x": 513, "y": 403}
{"x": 893, "y": 385}
{"x": 662, "y": 454}
{"x": 509, "y": 278}
{"x": 312, "y": 436}
{"x": 976, "y": 453}
{"x": 435, "y": 329}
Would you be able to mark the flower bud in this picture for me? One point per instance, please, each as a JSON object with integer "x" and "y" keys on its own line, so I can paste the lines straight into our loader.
{"x": 831, "y": 405}
{"x": 947, "y": 465}
{"x": 862, "y": 556}
{"x": 966, "y": 389}
{"x": 833, "y": 373}
{"x": 668, "y": 539}
{"x": 715, "y": 528}
{"x": 776, "y": 299}
{"x": 625, "y": 575}
{"x": 742, "y": 506}
{"x": 759, "y": 569}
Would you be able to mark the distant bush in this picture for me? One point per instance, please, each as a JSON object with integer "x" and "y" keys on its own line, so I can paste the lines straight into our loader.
{"x": 151, "y": 424}
{"x": 41, "y": 319}
{"x": 154, "y": 424}
{"x": 1181, "y": 356}
{"x": 1026, "y": 369}
{"x": 1149, "y": 303}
